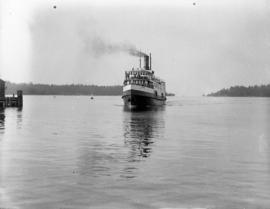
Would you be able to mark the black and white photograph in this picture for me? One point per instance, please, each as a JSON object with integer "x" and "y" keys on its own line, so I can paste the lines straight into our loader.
{"x": 134, "y": 104}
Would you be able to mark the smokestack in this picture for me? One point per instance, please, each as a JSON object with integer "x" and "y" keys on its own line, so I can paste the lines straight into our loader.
{"x": 146, "y": 62}
{"x": 140, "y": 62}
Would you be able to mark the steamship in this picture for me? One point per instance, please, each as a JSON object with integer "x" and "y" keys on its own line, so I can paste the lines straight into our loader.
{"x": 141, "y": 88}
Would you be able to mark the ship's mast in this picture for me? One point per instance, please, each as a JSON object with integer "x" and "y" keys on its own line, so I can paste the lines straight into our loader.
{"x": 140, "y": 59}
{"x": 150, "y": 61}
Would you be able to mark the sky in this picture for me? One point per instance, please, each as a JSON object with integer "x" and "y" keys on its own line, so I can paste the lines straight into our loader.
{"x": 197, "y": 46}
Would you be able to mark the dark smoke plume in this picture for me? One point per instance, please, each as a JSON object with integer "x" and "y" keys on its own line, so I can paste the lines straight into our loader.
{"x": 100, "y": 47}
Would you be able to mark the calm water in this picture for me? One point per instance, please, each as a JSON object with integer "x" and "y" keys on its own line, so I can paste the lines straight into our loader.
{"x": 73, "y": 152}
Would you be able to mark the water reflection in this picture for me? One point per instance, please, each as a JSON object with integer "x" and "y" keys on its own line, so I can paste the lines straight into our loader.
{"x": 2, "y": 120}
{"x": 19, "y": 117}
{"x": 141, "y": 129}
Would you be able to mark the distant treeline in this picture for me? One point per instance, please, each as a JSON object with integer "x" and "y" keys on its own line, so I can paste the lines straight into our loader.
{"x": 242, "y": 91}
{"x": 72, "y": 89}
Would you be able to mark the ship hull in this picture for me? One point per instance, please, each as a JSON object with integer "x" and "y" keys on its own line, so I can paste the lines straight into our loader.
{"x": 140, "y": 99}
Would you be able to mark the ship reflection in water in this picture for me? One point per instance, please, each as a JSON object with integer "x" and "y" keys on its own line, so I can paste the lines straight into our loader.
{"x": 142, "y": 128}
{"x": 121, "y": 157}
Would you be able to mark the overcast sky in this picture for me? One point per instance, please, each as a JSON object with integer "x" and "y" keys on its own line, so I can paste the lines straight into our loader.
{"x": 197, "y": 46}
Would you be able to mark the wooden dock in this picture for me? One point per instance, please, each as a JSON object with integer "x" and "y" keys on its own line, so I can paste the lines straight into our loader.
{"x": 13, "y": 101}
{"x": 10, "y": 101}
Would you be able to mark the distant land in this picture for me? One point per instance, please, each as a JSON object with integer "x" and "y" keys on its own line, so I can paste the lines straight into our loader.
{"x": 242, "y": 91}
{"x": 68, "y": 89}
